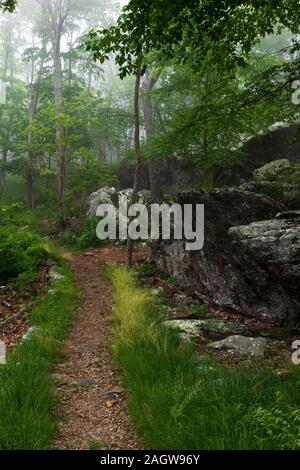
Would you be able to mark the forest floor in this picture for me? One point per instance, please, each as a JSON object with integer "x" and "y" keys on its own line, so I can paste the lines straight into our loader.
{"x": 92, "y": 402}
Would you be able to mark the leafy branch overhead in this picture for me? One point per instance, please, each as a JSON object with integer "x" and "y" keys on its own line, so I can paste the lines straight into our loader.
{"x": 192, "y": 29}
{"x": 8, "y": 5}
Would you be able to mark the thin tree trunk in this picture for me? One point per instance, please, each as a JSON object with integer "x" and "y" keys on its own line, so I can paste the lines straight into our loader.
{"x": 31, "y": 101}
{"x": 60, "y": 151}
{"x": 57, "y": 15}
{"x": 153, "y": 170}
{"x": 7, "y": 45}
{"x": 138, "y": 161}
{"x": 33, "y": 97}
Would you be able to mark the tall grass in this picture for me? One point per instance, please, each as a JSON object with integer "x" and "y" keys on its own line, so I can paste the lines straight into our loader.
{"x": 27, "y": 393}
{"x": 178, "y": 401}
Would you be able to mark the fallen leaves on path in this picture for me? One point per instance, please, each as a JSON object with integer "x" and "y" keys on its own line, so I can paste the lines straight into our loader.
{"x": 92, "y": 403}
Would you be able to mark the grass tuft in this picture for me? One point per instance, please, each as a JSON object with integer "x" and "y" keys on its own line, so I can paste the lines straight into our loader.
{"x": 27, "y": 393}
{"x": 178, "y": 401}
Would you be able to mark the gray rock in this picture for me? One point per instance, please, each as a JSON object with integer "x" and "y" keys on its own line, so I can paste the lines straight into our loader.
{"x": 211, "y": 328}
{"x": 54, "y": 275}
{"x": 219, "y": 329}
{"x": 28, "y": 333}
{"x": 231, "y": 271}
{"x": 102, "y": 196}
{"x": 242, "y": 345}
{"x": 2, "y": 353}
{"x": 85, "y": 383}
{"x": 188, "y": 327}
{"x": 158, "y": 291}
{"x": 109, "y": 195}
{"x": 272, "y": 170}
{"x": 289, "y": 215}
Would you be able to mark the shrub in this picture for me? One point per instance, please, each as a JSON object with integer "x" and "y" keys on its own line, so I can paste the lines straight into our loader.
{"x": 85, "y": 237}
{"x": 88, "y": 236}
{"x": 198, "y": 311}
{"x": 20, "y": 252}
{"x": 9, "y": 211}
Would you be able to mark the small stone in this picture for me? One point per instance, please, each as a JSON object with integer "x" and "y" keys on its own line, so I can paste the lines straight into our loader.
{"x": 54, "y": 275}
{"x": 85, "y": 382}
{"x": 28, "y": 333}
{"x": 113, "y": 393}
{"x": 242, "y": 344}
{"x": 158, "y": 291}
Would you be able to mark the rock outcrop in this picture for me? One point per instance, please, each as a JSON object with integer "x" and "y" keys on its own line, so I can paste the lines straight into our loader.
{"x": 177, "y": 174}
{"x": 109, "y": 195}
{"x": 251, "y": 258}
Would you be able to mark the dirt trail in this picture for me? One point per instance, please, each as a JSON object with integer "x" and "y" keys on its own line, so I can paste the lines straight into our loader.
{"x": 92, "y": 404}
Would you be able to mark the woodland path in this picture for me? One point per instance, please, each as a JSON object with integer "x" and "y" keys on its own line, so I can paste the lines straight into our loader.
{"x": 92, "y": 404}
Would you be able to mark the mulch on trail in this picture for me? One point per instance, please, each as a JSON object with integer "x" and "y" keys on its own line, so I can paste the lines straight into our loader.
{"x": 92, "y": 403}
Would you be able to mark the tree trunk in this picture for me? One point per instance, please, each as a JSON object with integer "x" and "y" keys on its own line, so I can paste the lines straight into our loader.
{"x": 153, "y": 170}
{"x": 138, "y": 161}
{"x": 31, "y": 106}
{"x": 60, "y": 151}
{"x": 33, "y": 97}
{"x": 56, "y": 17}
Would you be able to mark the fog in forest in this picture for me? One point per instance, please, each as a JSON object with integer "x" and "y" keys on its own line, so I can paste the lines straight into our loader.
{"x": 149, "y": 228}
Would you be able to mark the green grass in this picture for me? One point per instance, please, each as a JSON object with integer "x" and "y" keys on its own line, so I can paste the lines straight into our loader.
{"x": 178, "y": 401}
{"x": 27, "y": 393}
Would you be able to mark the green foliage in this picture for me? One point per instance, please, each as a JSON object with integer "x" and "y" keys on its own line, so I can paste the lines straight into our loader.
{"x": 178, "y": 401}
{"x": 88, "y": 236}
{"x": 27, "y": 393}
{"x": 280, "y": 426}
{"x": 14, "y": 189}
{"x": 8, "y": 5}
{"x": 292, "y": 177}
{"x": 190, "y": 30}
{"x": 83, "y": 237}
{"x": 198, "y": 311}
{"x": 95, "y": 445}
{"x": 8, "y": 213}
{"x": 271, "y": 190}
{"x": 88, "y": 175}
{"x": 20, "y": 253}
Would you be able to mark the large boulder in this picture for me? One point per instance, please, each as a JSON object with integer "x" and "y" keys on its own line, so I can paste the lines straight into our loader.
{"x": 251, "y": 268}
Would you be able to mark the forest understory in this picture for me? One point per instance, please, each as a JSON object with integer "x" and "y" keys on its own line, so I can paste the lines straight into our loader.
{"x": 175, "y": 117}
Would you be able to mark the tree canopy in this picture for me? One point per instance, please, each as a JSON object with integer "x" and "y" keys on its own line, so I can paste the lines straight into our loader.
{"x": 8, "y": 5}
{"x": 183, "y": 29}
